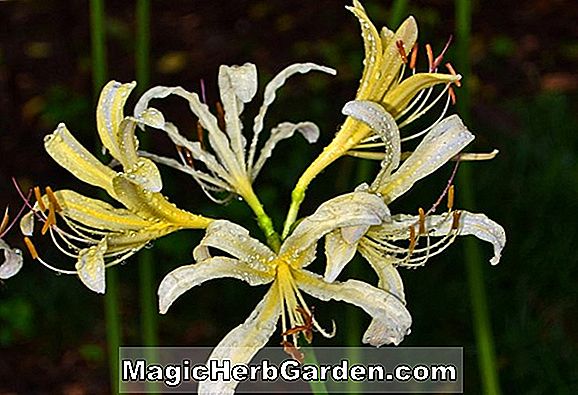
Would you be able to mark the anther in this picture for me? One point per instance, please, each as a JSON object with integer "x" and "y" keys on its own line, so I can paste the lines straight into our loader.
{"x": 5, "y": 220}
{"x": 430, "y": 57}
{"x": 456, "y": 219}
{"x": 200, "y": 134}
{"x": 31, "y": 248}
{"x": 53, "y": 200}
{"x": 452, "y": 95}
{"x": 421, "y": 221}
{"x": 401, "y": 49}
{"x": 220, "y": 115}
{"x": 38, "y": 197}
{"x": 439, "y": 59}
{"x": 413, "y": 60}
{"x": 453, "y": 72}
{"x": 293, "y": 351}
{"x": 412, "y": 239}
{"x": 451, "y": 197}
{"x": 50, "y": 220}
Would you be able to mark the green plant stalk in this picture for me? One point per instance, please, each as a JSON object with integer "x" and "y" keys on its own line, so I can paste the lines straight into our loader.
{"x": 317, "y": 387}
{"x": 398, "y": 11}
{"x": 474, "y": 264}
{"x": 112, "y": 314}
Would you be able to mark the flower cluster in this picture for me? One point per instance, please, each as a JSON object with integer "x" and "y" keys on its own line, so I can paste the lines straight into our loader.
{"x": 97, "y": 234}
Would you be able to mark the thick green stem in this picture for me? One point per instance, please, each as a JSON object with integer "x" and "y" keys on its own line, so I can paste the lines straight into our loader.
{"x": 264, "y": 221}
{"x": 112, "y": 314}
{"x": 474, "y": 264}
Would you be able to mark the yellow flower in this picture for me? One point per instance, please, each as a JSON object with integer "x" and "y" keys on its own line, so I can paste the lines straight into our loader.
{"x": 97, "y": 234}
{"x": 249, "y": 260}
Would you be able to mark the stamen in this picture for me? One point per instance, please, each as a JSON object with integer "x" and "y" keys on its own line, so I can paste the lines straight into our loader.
{"x": 38, "y": 197}
{"x": 453, "y": 72}
{"x": 419, "y": 112}
{"x": 422, "y": 230}
{"x": 413, "y": 60}
{"x": 439, "y": 59}
{"x": 430, "y": 57}
{"x": 451, "y": 198}
{"x": 50, "y": 220}
{"x": 220, "y": 115}
{"x": 31, "y": 248}
{"x": 452, "y": 95}
{"x": 53, "y": 200}
{"x": 5, "y": 220}
{"x": 401, "y": 49}
{"x": 293, "y": 351}
{"x": 200, "y": 134}
{"x": 456, "y": 219}
{"x": 412, "y": 239}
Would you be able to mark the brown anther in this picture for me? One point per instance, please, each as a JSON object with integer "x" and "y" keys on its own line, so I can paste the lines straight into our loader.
{"x": 422, "y": 230}
{"x": 401, "y": 49}
{"x": 200, "y": 134}
{"x": 412, "y": 239}
{"x": 185, "y": 153}
{"x": 430, "y": 57}
{"x": 38, "y": 197}
{"x": 53, "y": 200}
{"x": 456, "y": 219}
{"x": 451, "y": 197}
{"x": 306, "y": 328}
{"x": 50, "y": 220}
{"x": 413, "y": 60}
{"x": 5, "y": 220}
{"x": 31, "y": 248}
{"x": 453, "y": 72}
{"x": 440, "y": 57}
{"x": 452, "y": 94}
{"x": 293, "y": 351}
{"x": 220, "y": 115}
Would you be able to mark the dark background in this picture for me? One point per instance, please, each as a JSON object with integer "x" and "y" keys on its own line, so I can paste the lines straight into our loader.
{"x": 524, "y": 86}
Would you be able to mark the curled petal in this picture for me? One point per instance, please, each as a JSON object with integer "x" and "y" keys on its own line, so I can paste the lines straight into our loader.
{"x": 381, "y": 305}
{"x": 340, "y": 251}
{"x": 27, "y": 224}
{"x": 243, "y": 342}
{"x": 284, "y": 131}
{"x": 12, "y": 261}
{"x": 109, "y": 116}
{"x": 270, "y": 94}
{"x": 442, "y": 143}
{"x": 71, "y": 155}
{"x": 186, "y": 277}
{"x": 353, "y": 209}
{"x": 145, "y": 173}
{"x": 90, "y": 267}
{"x": 378, "y": 119}
{"x": 235, "y": 241}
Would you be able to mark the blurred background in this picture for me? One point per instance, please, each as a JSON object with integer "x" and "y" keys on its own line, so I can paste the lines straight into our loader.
{"x": 522, "y": 100}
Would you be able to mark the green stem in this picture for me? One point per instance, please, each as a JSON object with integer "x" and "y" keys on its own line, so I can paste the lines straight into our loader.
{"x": 398, "y": 10}
{"x": 474, "y": 263}
{"x": 142, "y": 43}
{"x": 317, "y": 387}
{"x": 264, "y": 221}
{"x": 112, "y": 314}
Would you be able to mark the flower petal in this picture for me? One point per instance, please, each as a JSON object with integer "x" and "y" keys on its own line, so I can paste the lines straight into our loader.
{"x": 154, "y": 206}
{"x": 90, "y": 267}
{"x": 237, "y": 85}
{"x": 353, "y": 209}
{"x": 443, "y": 142}
{"x": 379, "y": 304}
{"x": 186, "y": 277}
{"x": 281, "y": 132}
{"x": 270, "y": 94}
{"x": 242, "y": 343}
{"x": 397, "y": 99}
{"x": 71, "y": 155}
{"x": 234, "y": 240}
{"x": 339, "y": 251}
{"x": 12, "y": 261}
{"x": 478, "y": 225}
{"x": 375, "y": 116}
{"x": 110, "y": 114}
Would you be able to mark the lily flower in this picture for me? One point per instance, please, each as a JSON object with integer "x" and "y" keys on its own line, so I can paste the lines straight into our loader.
{"x": 12, "y": 262}
{"x": 397, "y": 241}
{"x": 248, "y": 260}
{"x": 97, "y": 234}
{"x": 233, "y": 164}
{"x": 385, "y": 82}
